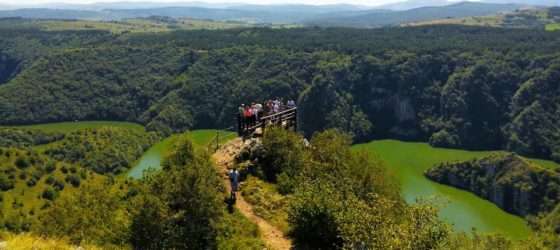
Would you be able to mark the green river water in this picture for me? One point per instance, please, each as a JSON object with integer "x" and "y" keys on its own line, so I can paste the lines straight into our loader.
{"x": 408, "y": 161}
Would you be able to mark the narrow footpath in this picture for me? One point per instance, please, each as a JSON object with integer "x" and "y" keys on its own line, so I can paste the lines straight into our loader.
{"x": 272, "y": 236}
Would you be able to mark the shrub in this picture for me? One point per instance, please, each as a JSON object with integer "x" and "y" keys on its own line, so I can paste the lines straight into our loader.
{"x": 283, "y": 152}
{"x": 50, "y": 167}
{"x": 6, "y": 183}
{"x": 22, "y": 162}
{"x": 31, "y": 182}
{"x": 22, "y": 175}
{"x": 49, "y": 193}
{"x": 58, "y": 185}
{"x": 50, "y": 180}
{"x": 73, "y": 179}
{"x": 444, "y": 139}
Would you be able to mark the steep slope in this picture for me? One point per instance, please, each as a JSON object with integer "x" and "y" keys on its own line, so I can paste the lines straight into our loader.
{"x": 74, "y": 85}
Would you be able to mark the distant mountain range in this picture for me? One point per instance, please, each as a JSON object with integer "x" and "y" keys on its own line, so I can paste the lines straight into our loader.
{"x": 323, "y": 15}
{"x": 370, "y": 19}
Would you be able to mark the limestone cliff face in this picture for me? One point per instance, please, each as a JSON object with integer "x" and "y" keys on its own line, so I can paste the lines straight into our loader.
{"x": 510, "y": 181}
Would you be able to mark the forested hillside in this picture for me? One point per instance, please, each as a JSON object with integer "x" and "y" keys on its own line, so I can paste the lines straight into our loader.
{"x": 466, "y": 87}
{"x": 509, "y": 181}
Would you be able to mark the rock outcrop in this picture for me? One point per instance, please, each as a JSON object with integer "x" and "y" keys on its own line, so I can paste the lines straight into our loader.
{"x": 508, "y": 180}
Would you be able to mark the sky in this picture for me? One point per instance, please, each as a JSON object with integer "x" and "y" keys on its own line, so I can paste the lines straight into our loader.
{"x": 313, "y": 2}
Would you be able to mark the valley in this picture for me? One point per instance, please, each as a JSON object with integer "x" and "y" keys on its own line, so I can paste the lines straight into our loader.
{"x": 442, "y": 133}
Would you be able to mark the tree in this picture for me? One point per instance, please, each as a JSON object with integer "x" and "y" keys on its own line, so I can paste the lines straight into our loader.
{"x": 184, "y": 200}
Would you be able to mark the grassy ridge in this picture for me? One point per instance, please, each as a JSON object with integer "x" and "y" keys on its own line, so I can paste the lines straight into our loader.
{"x": 65, "y": 127}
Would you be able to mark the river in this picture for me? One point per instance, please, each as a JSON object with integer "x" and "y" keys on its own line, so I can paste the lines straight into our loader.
{"x": 408, "y": 161}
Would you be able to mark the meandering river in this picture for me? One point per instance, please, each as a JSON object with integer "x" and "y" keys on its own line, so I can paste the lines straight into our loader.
{"x": 408, "y": 161}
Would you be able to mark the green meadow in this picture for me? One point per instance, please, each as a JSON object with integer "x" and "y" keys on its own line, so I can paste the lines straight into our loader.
{"x": 553, "y": 26}
{"x": 408, "y": 161}
{"x": 65, "y": 127}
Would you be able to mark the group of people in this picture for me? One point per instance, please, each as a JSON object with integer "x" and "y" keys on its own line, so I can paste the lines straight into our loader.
{"x": 249, "y": 115}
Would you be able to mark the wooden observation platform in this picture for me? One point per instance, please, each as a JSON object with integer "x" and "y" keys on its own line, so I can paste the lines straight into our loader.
{"x": 285, "y": 119}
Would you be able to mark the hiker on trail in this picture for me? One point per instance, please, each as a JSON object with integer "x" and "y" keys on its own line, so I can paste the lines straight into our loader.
{"x": 234, "y": 181}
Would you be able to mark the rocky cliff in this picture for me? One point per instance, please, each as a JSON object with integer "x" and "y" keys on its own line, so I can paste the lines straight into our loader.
{"x": 508, "y": 180}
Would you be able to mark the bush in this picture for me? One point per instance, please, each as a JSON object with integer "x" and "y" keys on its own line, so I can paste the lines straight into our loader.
{"x": 73, "y": 179}
{"x": 50, "y": 167}
{"x": 6, "y": 183}
{"x": 444, "y": 139}
{"x": 49, "y": 193}
{"x": 32, "y": 182}
{"x": 284, "y": 153}
{"x": 50, "y": 180}
{"x": 22, "y": 162}
{"x": 58, "y": 185}
{"x": 22, "y": 175}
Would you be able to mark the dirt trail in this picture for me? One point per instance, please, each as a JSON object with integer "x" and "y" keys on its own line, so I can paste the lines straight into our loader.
{"x": 272, "y": 236}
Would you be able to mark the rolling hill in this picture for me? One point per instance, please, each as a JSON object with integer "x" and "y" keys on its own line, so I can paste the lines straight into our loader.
{"x": 369, "y": 19}
{"x": 324, "y": 15}
{"x": 531, "y": 18}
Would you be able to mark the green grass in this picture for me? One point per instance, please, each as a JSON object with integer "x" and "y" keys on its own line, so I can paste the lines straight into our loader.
{"x": 65, "y": 127}
{"x": 553, "y": 27}
{"x": 267, "y": 202}
{"x": 408, "y": 161}
{"x": 237, "y": 232}
{"x": 204, "y": 137}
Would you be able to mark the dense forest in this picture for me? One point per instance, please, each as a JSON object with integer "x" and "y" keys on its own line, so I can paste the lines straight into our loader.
{"x": 454, "y": 86}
